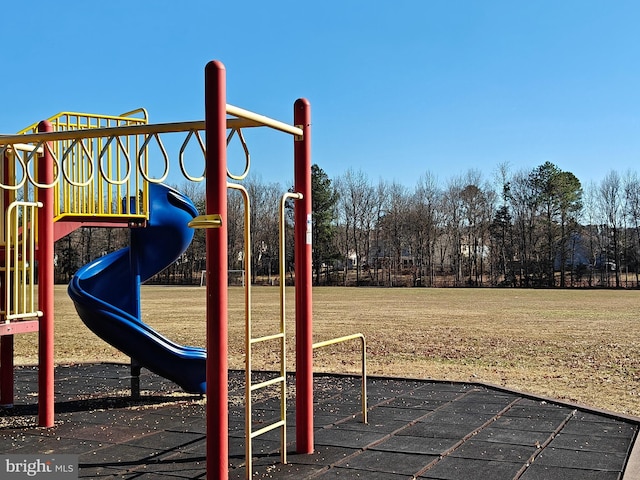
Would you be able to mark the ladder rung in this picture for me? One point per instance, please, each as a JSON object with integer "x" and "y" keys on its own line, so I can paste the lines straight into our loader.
{"x": 268, "y": 428}
{"x": 257, "y": 386}
{"x": 266, "y": 338}
{"x": 25, "y": 315}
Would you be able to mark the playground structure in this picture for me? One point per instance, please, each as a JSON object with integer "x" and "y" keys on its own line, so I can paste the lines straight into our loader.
{"x": 77, "y": 170}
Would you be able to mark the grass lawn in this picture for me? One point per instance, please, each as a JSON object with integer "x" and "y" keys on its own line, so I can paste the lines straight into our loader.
{"x": 576, "y": 345}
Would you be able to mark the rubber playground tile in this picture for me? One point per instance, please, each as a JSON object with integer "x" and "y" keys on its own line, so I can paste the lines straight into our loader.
{"x": 337, "y": 407}
{"x": 511, "y": 436}
{"x": 172, "y": 467}
{"x": 388, "y": 462}
{"x": 471, "y": 420}
{"x": 103, "y": 433}
{"x": 195, "y": 449}
{"x": 277, "y": 470}
{"x": 347, "y": 438}
{"x": 560, "y": 457}
{"x": 274, "y": 435}
{"x": 426, "y": 404}
{"x": 322, "y": 455}
{"x": 611, "y": 428}
{"x": 118, "y": 457}
{"x": 102, "y": 417}
{"x": 527, "y": 424}
{"x": 418, "y": 445}
{"x": 541, "y": 412}
{"x": 446, "y": 395}
{"x": 500, "y": 452}
{"x": 487, "y": 397}
{"x": 399, "y": 414}
{"x": 455, "y": 468}
{"x": 165, "y": 440}
{"x": 323, "y": 420}
{"x": 537, "y": 471}
{"x": 382, "y": 425}
{"x": 34, "y": 443}
{"x": 352, "y": 474}
{"x": 236, "y": 428}
{"x": 590, "y": 443}
{"x": 392, "y": 386}
{"x": 471, "y": 408}
{"x": 261, "y": 447}
{"x": 105, "y": 472}
{"x": 437, "y": 430}
{"x": 585, "y": 416}
{"x": 186, "y": 424}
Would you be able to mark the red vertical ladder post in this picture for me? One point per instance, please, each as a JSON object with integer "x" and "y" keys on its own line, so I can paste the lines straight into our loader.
{"x": 302, "y": 257}
{"x": 216, "y": 276}
{"x": 6, "y": 341}
{"x": 45, "y": 285}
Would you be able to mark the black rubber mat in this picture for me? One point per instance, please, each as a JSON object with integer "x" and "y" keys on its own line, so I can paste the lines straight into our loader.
{"x": 416, "y": 429}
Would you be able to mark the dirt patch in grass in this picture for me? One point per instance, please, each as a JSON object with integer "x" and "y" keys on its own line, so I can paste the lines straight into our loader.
{"x": 576, "y": 345}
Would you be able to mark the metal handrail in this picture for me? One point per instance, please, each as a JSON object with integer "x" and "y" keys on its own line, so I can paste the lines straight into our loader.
{"x": 346, "y": 338}
{"x": 19, "y": 261}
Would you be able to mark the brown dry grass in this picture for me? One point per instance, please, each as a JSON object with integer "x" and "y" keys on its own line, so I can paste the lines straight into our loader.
{"x": 577, "y": 345}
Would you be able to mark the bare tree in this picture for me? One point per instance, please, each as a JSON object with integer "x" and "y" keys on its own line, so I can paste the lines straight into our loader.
{"x": 357, "y": 205}
{"x": 611, "y": 198}
{"x": 632, "y": 213}
{"x": 264, "y": 221}
{"x": 424, "y": 225}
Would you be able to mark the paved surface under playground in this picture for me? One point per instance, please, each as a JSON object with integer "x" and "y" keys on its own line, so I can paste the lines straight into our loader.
{"x": 417, "y": 429}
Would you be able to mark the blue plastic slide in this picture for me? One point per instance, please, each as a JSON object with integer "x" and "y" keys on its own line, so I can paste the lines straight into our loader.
{"x": 106, "y": 292}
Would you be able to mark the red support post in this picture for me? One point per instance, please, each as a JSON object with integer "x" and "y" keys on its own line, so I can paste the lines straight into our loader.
{"x": 304, "y": 331}
{"x": 6, "y": 341}
{"x": 217, "y": 299}
{"x": 6, "y": 371}
{"x": 45, "y": 286}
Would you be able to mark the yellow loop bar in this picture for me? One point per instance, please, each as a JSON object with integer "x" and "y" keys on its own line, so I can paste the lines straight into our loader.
{"x": 65, "y": 155}
{"x": 247, "y": 156}
{"x": 104, "y": 150}
{"x": 141, "y": 155}
{"x": 183, "y": 169}
{"x": 30, "y": 156}
{"x": 15, "y": 154}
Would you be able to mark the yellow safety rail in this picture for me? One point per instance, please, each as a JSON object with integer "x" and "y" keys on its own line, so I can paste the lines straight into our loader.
{"x": 94, "y": 172}
{"x": 363, "y": 342}
{"x": 19, "y": 262}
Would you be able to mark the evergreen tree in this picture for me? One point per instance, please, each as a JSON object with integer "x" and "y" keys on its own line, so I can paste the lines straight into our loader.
{"x": 323, "y": 203}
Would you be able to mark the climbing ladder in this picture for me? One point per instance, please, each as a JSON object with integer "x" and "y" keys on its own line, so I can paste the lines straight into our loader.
{"x": 280, "y": 380}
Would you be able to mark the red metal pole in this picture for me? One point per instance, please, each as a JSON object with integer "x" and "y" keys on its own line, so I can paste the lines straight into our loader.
{"x": 6, "y": 371}
{"x": 6, "y": 341}
{"x": 217, "y": 299}
{"x": 304, "y": 331}
{"x": 45, "y": 286}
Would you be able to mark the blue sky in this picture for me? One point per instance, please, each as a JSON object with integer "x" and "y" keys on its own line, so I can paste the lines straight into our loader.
{"x": 397, "y": 88}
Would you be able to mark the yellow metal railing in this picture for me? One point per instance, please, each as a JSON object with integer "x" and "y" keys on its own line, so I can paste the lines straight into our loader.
{"x": 94, "y": 172}
{"x": 19, "y": 261}
{"x": 363, "y": 342}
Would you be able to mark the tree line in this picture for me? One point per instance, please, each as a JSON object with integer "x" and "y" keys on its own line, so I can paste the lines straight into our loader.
{"x": 535, "y": 227}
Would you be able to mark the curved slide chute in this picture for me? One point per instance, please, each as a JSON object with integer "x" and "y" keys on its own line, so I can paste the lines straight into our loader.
{"x": 106, "y": 292}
